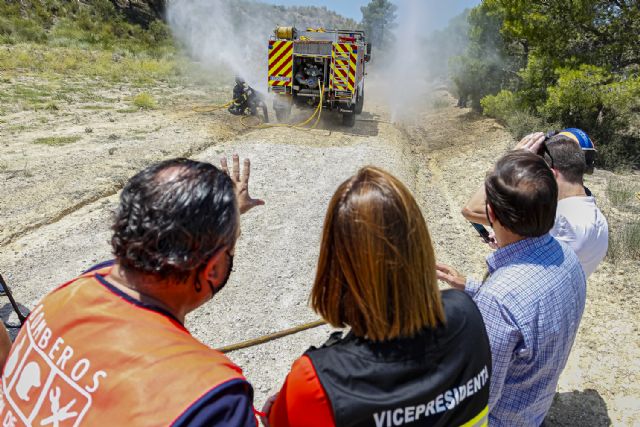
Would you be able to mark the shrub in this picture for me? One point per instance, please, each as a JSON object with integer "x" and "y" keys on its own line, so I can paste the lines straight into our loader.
{"x": 522, "y": 123}
{"x": 500, "y": 106}
{"x": 144, "y": 101}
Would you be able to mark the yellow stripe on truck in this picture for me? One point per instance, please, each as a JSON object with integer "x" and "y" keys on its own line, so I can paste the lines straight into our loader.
{"x": 343, "y": 66}
{"x": 280, "y": 63}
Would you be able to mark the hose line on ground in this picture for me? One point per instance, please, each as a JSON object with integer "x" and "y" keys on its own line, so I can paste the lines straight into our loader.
{"x": 270, "y": 337}
{"x": 317, "y": 113}
{"x": 211, "y": 108}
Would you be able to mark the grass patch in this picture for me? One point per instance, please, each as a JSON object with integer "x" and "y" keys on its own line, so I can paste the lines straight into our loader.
{"x": 16, "y": 128}
{"x": 56, "y": 141}
{"x": 96, "y": 107}
{"x": 47, "y": 106}
{"x": 128, "y": 110}
{"x": 144, "y": 101}
{"x": 622, "y": 194}
{"x": 140, "y": 67}
{"x": 624, "y": 242}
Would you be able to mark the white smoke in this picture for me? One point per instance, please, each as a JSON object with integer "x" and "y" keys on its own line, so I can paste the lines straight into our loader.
{"x": 408, "y": 65}
{"x": 224, "y": 34}
{"x": 410, "y": 71}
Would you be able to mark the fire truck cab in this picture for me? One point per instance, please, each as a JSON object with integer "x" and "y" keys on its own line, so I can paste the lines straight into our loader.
{"x": 301, "y": 63}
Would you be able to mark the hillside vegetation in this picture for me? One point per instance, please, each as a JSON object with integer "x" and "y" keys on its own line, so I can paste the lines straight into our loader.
{"x": 57, "y": 40}
{"x": 557, "y": 63}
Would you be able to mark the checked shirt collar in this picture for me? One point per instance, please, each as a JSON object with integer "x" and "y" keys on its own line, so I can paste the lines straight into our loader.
{"x": 510, "y": 253}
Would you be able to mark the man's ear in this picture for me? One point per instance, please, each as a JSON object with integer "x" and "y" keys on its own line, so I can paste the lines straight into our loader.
{"x": 491, "y": 214}
{"x": 214, "y": 270}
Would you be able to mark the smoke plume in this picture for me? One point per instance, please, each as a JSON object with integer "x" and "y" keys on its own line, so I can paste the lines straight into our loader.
{"x": 223, "y": 35}
{"x": 417, "y": 62}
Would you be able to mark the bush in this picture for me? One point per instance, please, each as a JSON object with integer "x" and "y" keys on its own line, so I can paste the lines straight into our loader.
{"x": 500, "y": 106}
{"x": 504, "y": 106}
{"x": 522, "y": 123}
{"x": 439, "y": 103}
{"x": 144, "y": 101}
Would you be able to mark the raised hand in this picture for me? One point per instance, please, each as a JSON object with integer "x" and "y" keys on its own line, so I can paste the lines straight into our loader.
{"x": 531, "y": 142}
{"x": 241, "y": 184}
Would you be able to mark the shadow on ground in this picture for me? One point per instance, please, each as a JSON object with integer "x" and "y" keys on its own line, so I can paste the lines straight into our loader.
{"x": 578, "y": 408}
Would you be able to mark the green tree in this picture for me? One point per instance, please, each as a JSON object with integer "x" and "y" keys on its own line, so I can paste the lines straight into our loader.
{"x": 597, "y": 32}
{"x": 552, "y": 63}
{"x": 379, "y": 20}
{"x": 490, "y": 62}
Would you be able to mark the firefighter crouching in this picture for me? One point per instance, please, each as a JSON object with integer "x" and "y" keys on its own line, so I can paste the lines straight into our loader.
{"x": 246, "y": 100}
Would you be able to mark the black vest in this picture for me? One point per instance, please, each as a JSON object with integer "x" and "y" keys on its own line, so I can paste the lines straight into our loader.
{"x": 439, "y": 377}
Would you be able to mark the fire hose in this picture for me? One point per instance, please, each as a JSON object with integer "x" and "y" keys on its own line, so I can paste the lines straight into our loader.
{"x": 210, "y": 108}
{"x": 270, "y": 337}
{"x": 317, "y": 113}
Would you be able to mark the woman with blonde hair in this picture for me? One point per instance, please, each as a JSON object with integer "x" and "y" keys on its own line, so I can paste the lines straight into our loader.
{"x": 414, "y": 355}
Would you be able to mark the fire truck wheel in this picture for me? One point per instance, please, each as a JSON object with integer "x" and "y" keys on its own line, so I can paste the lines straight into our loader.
{"x": 359, "y": 102}
{"x": 349, "y": 119}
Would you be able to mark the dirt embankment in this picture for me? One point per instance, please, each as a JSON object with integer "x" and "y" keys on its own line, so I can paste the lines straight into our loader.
{"x": 58, "y": 207}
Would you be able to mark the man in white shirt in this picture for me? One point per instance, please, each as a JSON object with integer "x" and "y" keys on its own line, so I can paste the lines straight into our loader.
{"x": 579, "y": 222}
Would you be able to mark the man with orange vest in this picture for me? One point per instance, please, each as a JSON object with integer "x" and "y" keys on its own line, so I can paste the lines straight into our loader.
{"x": 109, "y": 348}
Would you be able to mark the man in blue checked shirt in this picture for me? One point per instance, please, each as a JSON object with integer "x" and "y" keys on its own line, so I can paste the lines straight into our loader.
{"x": 533, "y": 297}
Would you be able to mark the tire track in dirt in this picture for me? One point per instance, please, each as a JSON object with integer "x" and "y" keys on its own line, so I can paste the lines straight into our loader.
{"x": 14, "y": 230}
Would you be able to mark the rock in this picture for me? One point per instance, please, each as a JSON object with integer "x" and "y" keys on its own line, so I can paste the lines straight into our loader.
{"x": 142, "y": 12}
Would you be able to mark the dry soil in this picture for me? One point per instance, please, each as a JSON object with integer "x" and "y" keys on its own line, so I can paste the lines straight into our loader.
{"x": 57, "y": 203}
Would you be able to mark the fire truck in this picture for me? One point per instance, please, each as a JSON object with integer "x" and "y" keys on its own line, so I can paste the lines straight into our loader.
{"x": 317, "y": 65}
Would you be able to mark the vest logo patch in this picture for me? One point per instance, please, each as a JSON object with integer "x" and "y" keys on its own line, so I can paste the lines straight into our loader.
{"x": 443, "y": 402}
{"x": 42, "y": 384}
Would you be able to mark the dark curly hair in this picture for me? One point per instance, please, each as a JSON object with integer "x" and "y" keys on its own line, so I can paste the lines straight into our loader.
{"x": 173, "y": 216}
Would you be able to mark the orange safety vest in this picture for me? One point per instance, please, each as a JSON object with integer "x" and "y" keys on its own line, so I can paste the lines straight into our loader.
{"x": 89, "y": 355}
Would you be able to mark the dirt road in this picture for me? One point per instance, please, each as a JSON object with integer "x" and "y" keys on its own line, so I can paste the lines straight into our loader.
{"x": 58, "y": 213}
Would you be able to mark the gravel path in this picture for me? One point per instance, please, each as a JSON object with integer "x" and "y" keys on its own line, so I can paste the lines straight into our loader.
{"x": 441, "y": 155}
